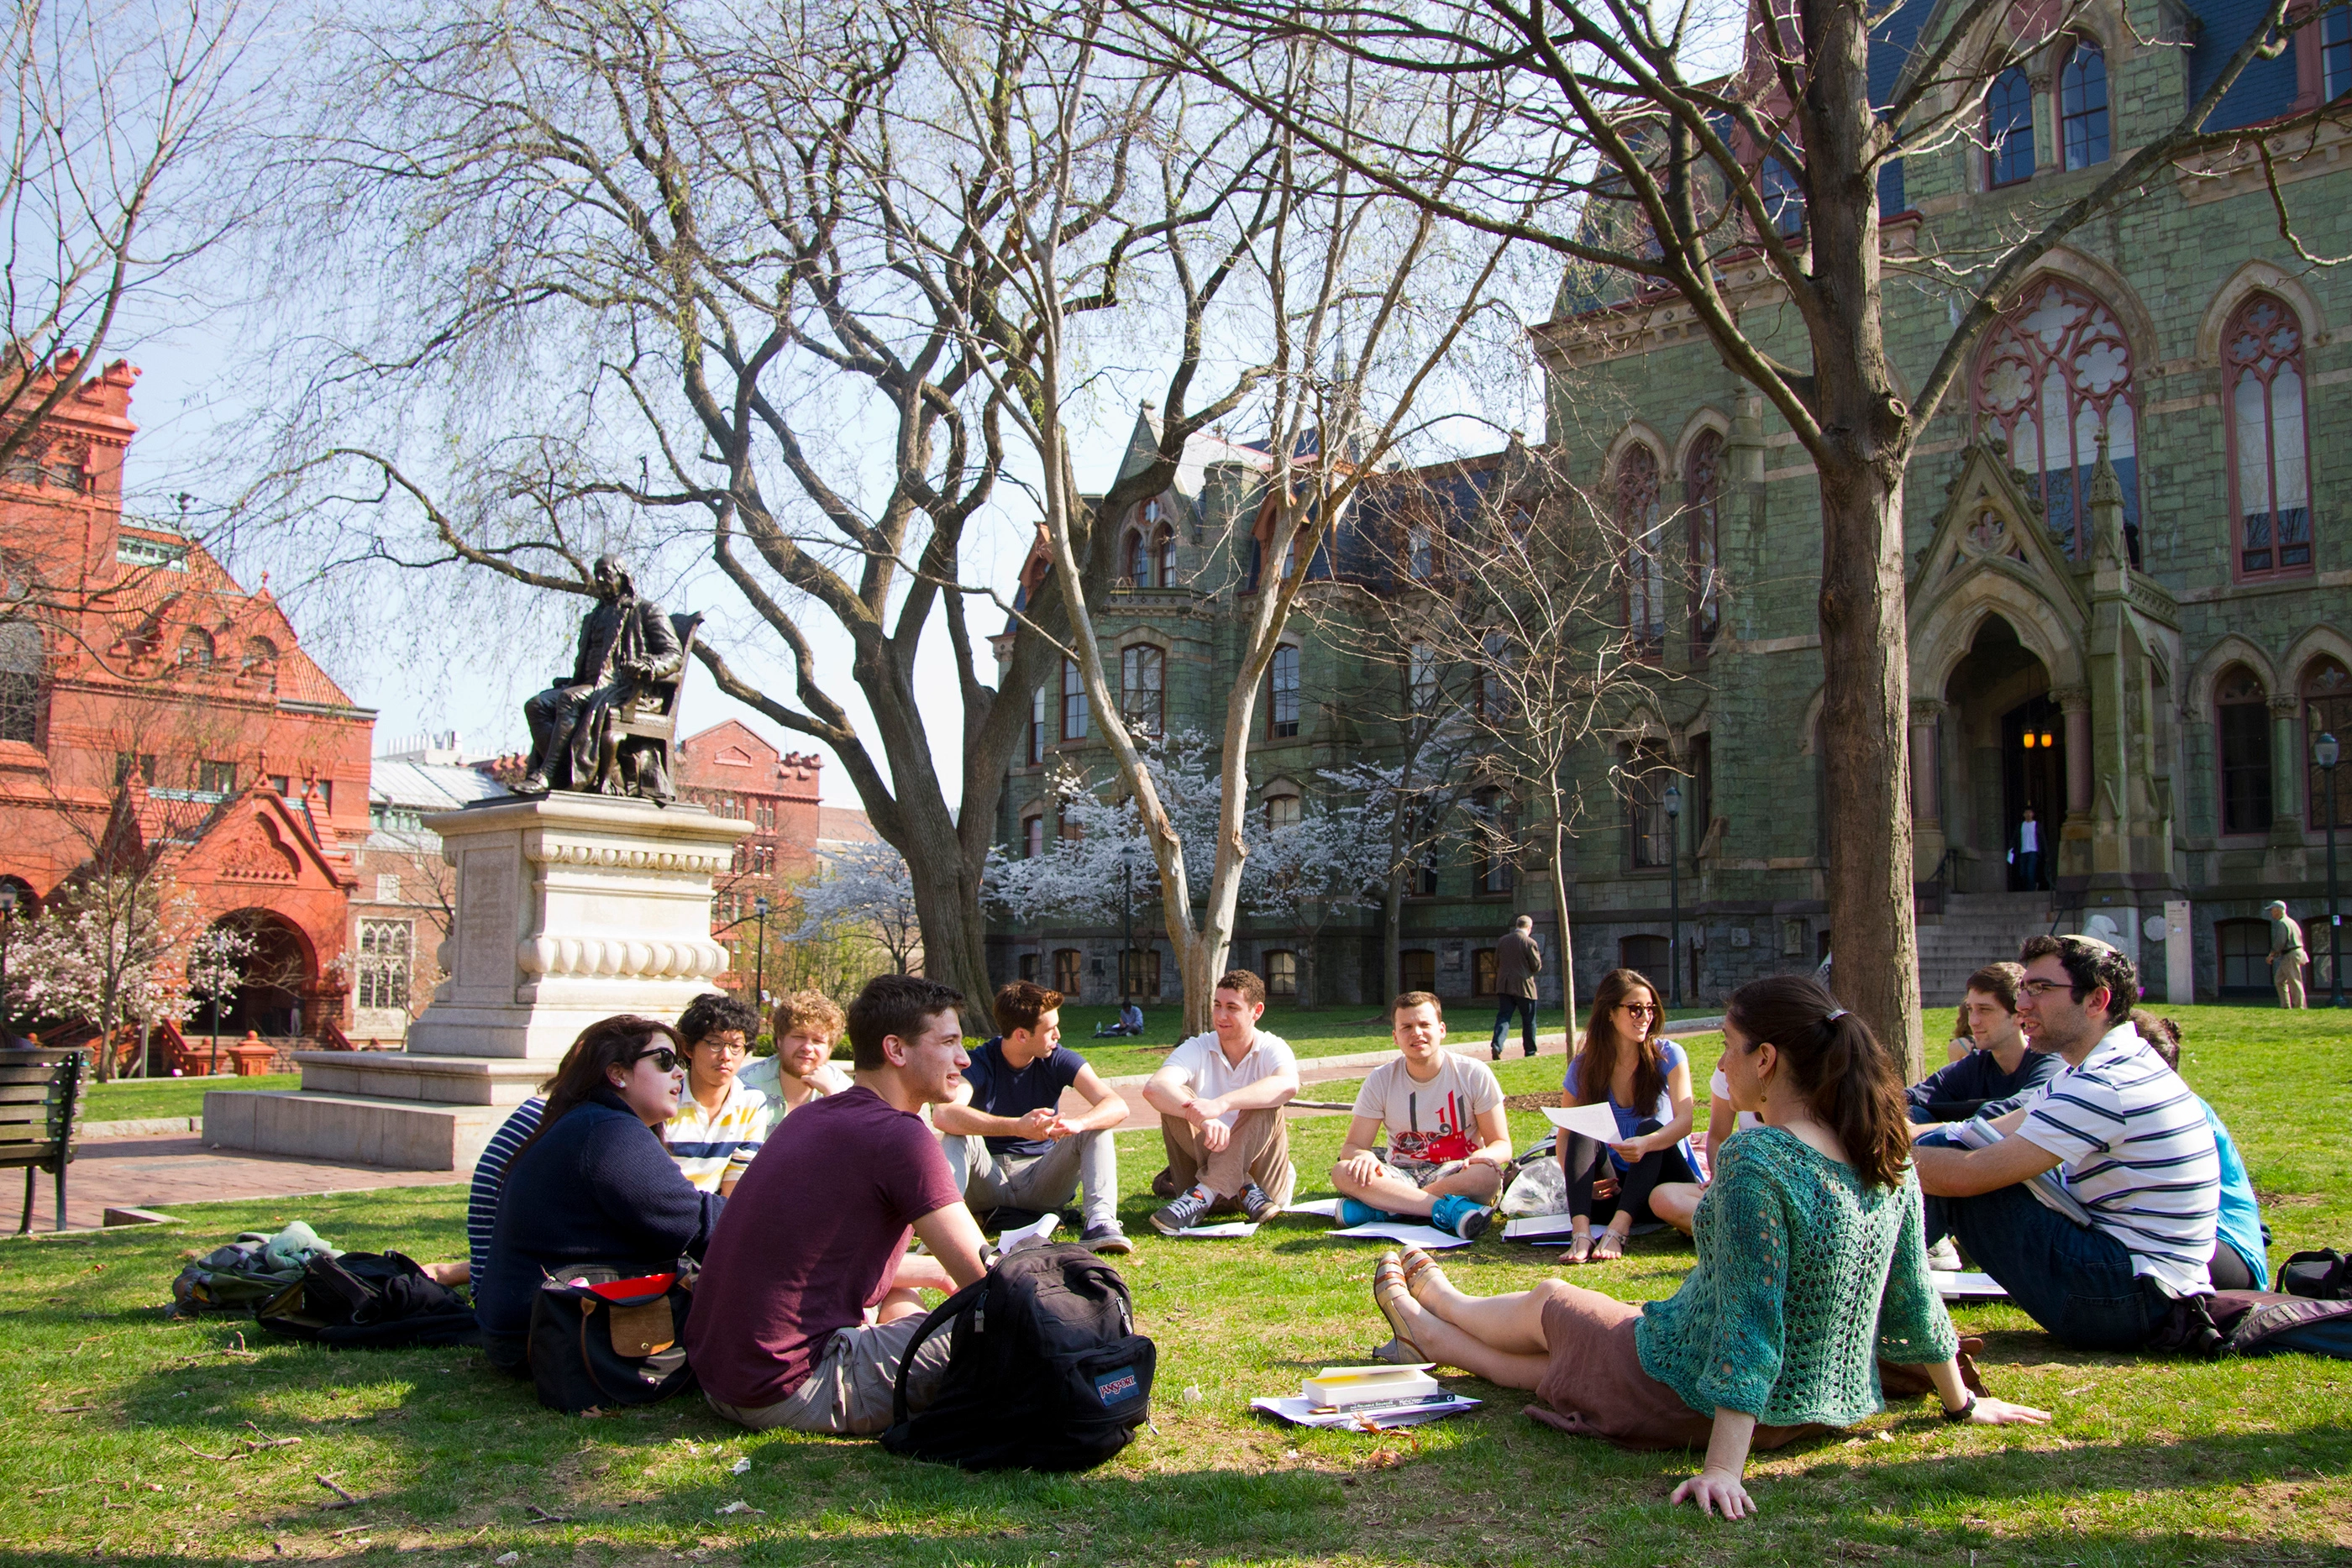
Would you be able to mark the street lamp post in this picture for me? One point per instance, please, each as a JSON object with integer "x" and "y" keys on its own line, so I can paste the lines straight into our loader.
{"x": 2324, "y": 752}
{"x": 219, "y": 943}
{"x": 1674, "y": 895}
{"x": 759, "y": 957}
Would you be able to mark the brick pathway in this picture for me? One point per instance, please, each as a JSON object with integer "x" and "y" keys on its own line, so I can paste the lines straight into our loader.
{"x": 159, "y": 1173}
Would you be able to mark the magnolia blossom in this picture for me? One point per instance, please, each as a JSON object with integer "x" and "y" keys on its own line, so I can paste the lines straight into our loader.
{"x": 867, "y": 889}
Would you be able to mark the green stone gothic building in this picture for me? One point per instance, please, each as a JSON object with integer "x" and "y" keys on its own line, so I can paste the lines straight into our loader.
{"x": 2130, "y": 578}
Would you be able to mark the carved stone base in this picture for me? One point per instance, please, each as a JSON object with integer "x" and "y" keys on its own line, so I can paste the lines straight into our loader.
{"x": 570, "y": 908}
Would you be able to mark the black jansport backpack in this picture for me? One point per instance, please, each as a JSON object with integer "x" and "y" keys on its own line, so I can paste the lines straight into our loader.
{"x": 363, "y": 1301}
{"x": 1045, "y": 1370}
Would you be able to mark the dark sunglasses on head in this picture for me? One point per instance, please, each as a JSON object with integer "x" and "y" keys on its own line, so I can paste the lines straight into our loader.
{"x": 661, "y": 1056}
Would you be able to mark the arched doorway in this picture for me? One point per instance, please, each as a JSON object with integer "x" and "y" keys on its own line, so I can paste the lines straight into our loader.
{"x": 2005, "y": 752}
{"x": 273, "y": 969}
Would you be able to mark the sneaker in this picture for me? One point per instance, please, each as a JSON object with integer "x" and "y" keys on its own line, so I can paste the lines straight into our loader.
{"x": 1180, "y": 1213}
{"x": 1354, "y": 1211}
{"x": 1257, "y": 1206}
{"x": 1496, "y": 1051}
{"x": 1944, "y": 1257}
{"x": 1458, "y": 1216}
{"x": 1107, "y": 1238}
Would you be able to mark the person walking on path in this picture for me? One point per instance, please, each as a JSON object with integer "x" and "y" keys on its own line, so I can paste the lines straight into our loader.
{"x": 2029, "y": 851}
{"x": 2287, "y": 954}
{"x": 1518, "y": 961}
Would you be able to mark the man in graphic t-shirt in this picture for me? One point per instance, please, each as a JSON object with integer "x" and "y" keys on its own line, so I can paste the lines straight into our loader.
{"x": 2115, "y": 1133}
{"x": 1449, "y": 1138}
{"x": 1007, "y": 1142}
{"x": 806, "y": 1305}
{"x": 1219, "y": 1097}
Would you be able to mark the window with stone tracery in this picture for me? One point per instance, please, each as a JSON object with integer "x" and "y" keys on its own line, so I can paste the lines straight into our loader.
{"x": 2270, "y": 455}
{"x": 2056, "y": 371}
{"x": 1644, "y": 574}
{"x": 1702, "y": 489}
{"x": 2326, "y": 710}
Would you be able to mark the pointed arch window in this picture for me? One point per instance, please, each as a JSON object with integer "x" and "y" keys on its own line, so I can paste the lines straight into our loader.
{"x": 1636, "y": 498}
{"x": 1701, "y": 489}
{"x": 1282, "y": 692}
{"x": 1163, "y": 550}
{"x": 2056, "y": 370}
{"x": 1142, "y": 671}
{"x": 2270, "y": 453}
{"x": 2243, "y": 713}
{"x": 1135, "y": 559}
{"x": 2326, "y": 710}
{"x": 2009, "y": 129}
{"x": 2082, "y": 105}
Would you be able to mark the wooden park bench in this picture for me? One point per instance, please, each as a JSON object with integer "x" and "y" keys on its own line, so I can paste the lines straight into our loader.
{"x": 40, "y": 1100}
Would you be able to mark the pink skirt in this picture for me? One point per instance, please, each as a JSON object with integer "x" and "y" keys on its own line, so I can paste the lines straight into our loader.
{"x": 1596, "y": 1387}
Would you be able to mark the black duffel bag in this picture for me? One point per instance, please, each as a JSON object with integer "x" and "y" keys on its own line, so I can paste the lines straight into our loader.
{"x": 598, "y": 1340}
{"x": 362, "y": 1300}
{"x": 1045, "y": 1370}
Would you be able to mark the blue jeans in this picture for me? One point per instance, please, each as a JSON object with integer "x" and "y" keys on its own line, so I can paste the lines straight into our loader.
{"x": 1504, "y": 1008}
{"x": 2078, "y": 1283}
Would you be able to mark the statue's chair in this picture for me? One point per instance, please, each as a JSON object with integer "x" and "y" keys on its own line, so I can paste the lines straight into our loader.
{"x": 647, "y": 724}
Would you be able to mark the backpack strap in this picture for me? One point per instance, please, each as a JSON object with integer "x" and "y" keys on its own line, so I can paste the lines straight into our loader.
{"x": 952, "y": 1307}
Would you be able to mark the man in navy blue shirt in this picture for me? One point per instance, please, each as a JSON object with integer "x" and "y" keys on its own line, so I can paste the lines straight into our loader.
{"x": 1006, "y": 1139}
{"x": 2000, "y": 1072}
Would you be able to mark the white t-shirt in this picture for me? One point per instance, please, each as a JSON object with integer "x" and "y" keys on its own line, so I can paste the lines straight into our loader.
{"x": 2139, "y": 1155}
{"x": 1719, "y": 1087}
{"x": 1206, "y": 1072}
{"x": 2028, "y": 837}
{"x": 1418, "y": 1115}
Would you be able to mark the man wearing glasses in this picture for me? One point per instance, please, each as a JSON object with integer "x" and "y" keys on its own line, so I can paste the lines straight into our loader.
{"x": 2118, "y": 1139}
{"x": 721, "y": 1119}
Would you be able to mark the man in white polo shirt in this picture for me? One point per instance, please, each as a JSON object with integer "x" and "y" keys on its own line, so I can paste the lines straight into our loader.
{"x": 2127, "y": 1141}
{"x": 1219, "y": 1097}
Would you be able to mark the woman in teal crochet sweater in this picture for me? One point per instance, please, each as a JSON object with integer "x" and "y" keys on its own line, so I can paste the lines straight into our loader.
{"x": 1811, "y": 1269}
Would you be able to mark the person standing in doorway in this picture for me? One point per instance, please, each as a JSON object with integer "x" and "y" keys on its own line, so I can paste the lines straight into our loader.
{"x": 2029, "y": 851}
{"x": 2287, "y": 954}
{"x": 1518, "y": 961}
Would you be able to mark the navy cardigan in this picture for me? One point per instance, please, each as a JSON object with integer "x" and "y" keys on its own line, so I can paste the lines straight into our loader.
{"x": 596, "y": 1187}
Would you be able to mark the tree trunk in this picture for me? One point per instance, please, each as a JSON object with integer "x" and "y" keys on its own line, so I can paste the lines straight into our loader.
{"x": 955, "y": 947}
{"x": 1566, "y": 956}
{"x": 1393, "y": 943}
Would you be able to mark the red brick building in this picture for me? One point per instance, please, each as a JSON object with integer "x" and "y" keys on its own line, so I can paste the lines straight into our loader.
{"x": 730, "y": 770}
{"x": 144, "y": 692}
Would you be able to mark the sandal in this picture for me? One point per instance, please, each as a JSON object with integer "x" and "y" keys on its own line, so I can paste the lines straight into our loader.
{"x": 1608, "y": 1247}
{"x": 1421, "y": 1271}
{"x": 1579, "y": 1250}
{"x": 1390, "y": 1294}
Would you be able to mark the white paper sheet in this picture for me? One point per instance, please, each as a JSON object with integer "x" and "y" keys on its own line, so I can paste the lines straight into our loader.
{"x": 1300, "y": 1414}
{"x": 1328, "y": 1207}
{"x": 1428, "y": 1238}
{"x": 1960, "y": 1287}
{"x": 1592, "y": 1121}
{"x": 1040, "y": 1229}
{"x": 1542, "y": 1228}
{"x": 1217, "y": 1232}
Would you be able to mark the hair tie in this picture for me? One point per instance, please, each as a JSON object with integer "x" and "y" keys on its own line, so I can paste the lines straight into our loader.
{"x": 1834, "y": 1014}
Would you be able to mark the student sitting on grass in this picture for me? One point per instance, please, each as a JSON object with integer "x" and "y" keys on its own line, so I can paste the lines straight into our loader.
{"x": 1219, "y": 1097}
{"x": 593, "y": 1185}
{"x": 1645, "y": 1082}
{"x": 721, "y": 1119}
{"x": 807, "y": 1023}
{"x": 2242, "y": 1258}
{"x": 1677, "y": 1202}
{"x": 1809, "y": 1271}
{"x": 1130, "y": 1022}
{"x": 1007, "y": 1143}
{"x": 1449, "y": 1136}
{"x": 807, "y": 1302}
{"x": 2001, "y": 1069}
{"x": 2133, "y": 1147}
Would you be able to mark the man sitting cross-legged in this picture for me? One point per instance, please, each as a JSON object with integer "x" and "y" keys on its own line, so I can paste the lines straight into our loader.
{"x": 1449, "y": 1137}
{"x": 2136, "y": 1150}
{"x": 1219, "y": 1097}
{"x": 1006, "y": 1140}
{"x": 806, "y": 1304}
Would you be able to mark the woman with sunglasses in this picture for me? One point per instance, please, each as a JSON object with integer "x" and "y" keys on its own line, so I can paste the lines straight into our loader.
{"x": 594, "y": 1185}
{"x": 1645, "y": 1082}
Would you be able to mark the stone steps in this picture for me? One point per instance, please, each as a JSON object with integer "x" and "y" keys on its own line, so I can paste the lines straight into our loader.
{"x": 1976, "y": 929}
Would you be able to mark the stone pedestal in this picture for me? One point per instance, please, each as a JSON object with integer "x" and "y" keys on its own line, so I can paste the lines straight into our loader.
{"x": 570, "y": 908}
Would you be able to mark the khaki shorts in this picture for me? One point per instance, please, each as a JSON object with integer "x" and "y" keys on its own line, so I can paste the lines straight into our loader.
{"x": 853, "y": 1388}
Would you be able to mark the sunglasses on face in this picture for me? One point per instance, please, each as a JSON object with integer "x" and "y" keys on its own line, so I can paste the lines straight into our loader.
{"x": 1644, "y": 1009}
{"x": 663, "y": 1058}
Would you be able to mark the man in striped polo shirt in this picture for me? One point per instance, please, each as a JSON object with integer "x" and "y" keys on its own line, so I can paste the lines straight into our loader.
{"x": 2129, "y": 1144}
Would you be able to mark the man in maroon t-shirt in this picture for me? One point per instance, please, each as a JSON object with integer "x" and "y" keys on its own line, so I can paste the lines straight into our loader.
{"x": 781, "y": 1335}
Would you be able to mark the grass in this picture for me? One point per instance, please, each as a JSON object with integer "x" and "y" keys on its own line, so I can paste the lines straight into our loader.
{"x": 112, "y": 1409}
{"x": 135, "y": 1099}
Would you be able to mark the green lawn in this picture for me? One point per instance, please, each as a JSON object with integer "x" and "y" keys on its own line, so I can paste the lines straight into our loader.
{"x": 111, "y": 1413}
{"x": 134, "y": 1099}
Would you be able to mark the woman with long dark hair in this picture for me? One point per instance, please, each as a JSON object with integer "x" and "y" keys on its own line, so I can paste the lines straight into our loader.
{"x": 1811, "y": 1269}
{"x": 594, "y": 1185}
{"x": 1645, "y": 1081}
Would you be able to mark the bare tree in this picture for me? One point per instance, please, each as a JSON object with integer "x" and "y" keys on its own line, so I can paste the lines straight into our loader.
{"x": 1718, "y": 190}
{"x": 115, "y": 178}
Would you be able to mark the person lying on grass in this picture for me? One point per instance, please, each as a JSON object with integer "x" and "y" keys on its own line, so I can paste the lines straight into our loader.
{"x": 1449, "y": 1136}
{"x": 1811, "y": 1269}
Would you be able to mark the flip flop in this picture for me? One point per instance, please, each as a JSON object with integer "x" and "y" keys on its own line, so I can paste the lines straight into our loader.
{"x": 1421, "y": 1271}
{"x": 1388, "y": 1294}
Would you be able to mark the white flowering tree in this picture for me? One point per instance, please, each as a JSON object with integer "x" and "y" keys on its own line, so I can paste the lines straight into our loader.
{"x": 217, "y": 960}
{"x": 1331, "y": 860}
{"x": 1081, "y": 874}
{"x": 867, "y": 892}
{"x": 107, "y": 953}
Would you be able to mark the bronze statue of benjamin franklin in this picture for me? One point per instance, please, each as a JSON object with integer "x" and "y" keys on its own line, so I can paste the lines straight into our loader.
{"x": 630, "y": 656}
